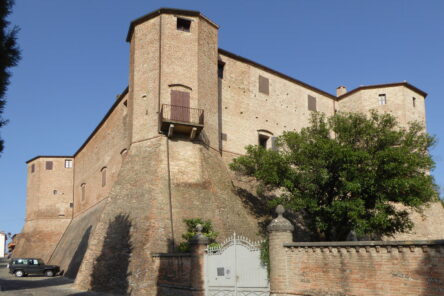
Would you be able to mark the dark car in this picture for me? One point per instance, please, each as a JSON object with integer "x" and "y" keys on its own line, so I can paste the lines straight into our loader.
{"x": 24, "y": 266}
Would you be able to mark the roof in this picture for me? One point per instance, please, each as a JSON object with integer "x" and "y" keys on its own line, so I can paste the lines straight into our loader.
{"x": 160, "y": 11}
{"x": 405, "y": 84}
{"x": 294, "y": 80}
{"x": 49, "y": 156}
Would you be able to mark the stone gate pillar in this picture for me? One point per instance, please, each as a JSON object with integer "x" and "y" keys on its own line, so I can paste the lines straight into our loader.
{"x": 198, "y": 245}
{"x": 279, "y": 232}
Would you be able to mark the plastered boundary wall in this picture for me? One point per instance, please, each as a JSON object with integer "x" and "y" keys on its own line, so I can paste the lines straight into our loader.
{"x": 357, "y": 268}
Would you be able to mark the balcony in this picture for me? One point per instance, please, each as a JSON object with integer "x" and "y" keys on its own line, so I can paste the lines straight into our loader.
{"x": 181, "y": 120}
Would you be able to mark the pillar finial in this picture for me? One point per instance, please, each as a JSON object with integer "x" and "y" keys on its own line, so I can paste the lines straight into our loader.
{"x": 280, "y": 224}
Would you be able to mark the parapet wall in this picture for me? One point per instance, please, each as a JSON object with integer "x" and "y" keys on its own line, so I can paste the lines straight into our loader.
{"x": 353, "y": 268}
{"x": 366, "y": 268}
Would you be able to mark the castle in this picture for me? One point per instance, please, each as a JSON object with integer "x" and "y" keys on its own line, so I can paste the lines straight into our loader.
{"x": 161, "y": 152}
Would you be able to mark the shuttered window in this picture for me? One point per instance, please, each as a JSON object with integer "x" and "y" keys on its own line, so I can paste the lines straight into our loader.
{"x": 49, "y": 165}
{"x": 68, "y": 163}
{"x": 312, "y": 103}
{"x": 382, "y": 99}
{"x": 273, "y": 143}
{"x": 264, "y": 85}
{"x": 180, "y": 106}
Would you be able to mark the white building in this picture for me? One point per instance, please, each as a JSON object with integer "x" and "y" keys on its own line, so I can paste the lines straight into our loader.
{"x": 2, "y": 244}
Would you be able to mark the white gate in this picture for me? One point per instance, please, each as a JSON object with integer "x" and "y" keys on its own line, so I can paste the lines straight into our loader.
{"x": 234, "y": 269}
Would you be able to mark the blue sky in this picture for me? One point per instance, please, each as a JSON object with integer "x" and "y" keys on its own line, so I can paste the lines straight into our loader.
{"x": 75, "y": 62}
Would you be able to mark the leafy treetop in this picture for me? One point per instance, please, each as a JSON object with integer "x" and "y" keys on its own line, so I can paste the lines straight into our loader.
{"x": 347, "y": 173}
{"x": 9, "y": 55}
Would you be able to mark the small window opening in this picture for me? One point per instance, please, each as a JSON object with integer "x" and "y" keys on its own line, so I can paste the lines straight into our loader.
{"x": 382, "y": 99}
{"x": 263, "y": 139}
{"x": 312, "y": 103}
{"x": 414, "y": 101}
{"x": 33, "y": 168}
{"x": 54, "y": 192}
{"x": 103, "y": 177}
{"x": 49, "y": 165}
{"x": 83, "y": 187}
{"x": 71, "y": 205}
{"x": 220, "y": 70}
{"x": 183, "y": 25}
{"x": 68, "y": 163}
{"x": 264, "y": 85}
{"x": 125, "y": 103}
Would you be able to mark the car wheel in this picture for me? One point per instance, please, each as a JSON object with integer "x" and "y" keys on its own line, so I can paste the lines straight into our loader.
{"x": 49, "y": 273}
{"x": 19, "y": 273}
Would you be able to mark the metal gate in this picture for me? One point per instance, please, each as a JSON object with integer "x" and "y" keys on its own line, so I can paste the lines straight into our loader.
{"x": 234, "y": 269}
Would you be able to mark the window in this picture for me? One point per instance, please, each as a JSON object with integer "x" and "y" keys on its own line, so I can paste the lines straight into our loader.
{"x": 54, "y": 192}
{"x": 71, "y": 205}
{"x": 33, "y": 168}
{"x": 220, "y": 69}
{"x": 183, "y": 24}
{"x": 103, "y": 176}
{"x": 311, "y": 103}
{"x": 414, "y": 101}
{"x": 68, "y": 163}
{"x": 382, "y": 99}
{"x": 49, "y": 165}
{"x": 263, "y": 139}
{"x": 274, "y": 143}
{"x": 83, "y": 188}
{"x": 263, "y": 85}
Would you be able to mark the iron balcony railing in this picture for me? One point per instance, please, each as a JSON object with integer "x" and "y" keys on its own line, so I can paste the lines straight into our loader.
{"x": 181, "y": 114}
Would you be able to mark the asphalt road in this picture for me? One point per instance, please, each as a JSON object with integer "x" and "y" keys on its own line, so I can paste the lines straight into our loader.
{"x": 38, "y": 286}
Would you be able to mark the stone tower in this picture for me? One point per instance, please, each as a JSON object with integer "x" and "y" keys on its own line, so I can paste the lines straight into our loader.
{"x": 173, "y": 62}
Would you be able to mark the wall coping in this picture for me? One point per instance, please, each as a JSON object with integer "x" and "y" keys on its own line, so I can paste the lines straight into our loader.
{"x": 171, "y": 255}
{"x": 366, "y": 243}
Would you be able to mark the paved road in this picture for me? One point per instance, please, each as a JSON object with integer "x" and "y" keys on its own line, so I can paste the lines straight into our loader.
{"x": 38, "y": 286}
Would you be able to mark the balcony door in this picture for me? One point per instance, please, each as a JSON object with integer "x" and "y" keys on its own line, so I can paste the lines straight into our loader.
{"x": 180, "y": 106}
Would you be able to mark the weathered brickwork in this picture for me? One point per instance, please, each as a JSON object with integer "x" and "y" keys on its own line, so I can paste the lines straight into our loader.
{"x": 131, "y": 184}
{"x": 398, "y": 269}
{"x": 352, "y": 268}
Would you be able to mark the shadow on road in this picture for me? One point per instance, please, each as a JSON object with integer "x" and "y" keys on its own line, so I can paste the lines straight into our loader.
{"x": 22, "y": 284}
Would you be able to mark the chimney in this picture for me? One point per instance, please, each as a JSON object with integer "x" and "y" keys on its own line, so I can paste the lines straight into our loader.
{"x": 340, "y": 90}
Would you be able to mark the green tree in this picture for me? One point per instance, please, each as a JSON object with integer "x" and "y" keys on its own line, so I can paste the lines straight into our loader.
{"x": 207, "y": 230}
{"x": 9, "y": 55}
{"x": 348, "y": 172}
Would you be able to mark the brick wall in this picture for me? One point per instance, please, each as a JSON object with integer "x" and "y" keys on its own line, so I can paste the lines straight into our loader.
{"x": 354, "y": 268}
{"x": 174, "y": 277}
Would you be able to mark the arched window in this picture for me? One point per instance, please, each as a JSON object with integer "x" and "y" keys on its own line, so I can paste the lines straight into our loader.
{"x": 266, "y": 139}
{"x": 83, "y": 190}
{"x": 103, "y": 171}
